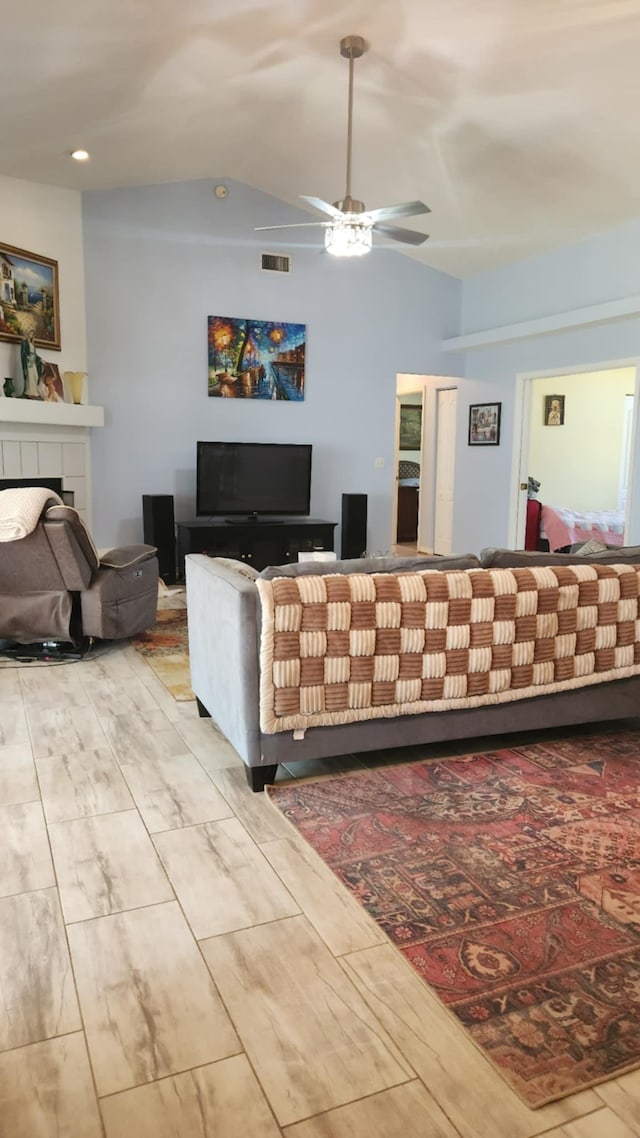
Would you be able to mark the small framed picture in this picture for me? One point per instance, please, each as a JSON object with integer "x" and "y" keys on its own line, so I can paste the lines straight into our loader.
{"x": 410, "y": 426}
{"x": 484, "y": 424}
{"x": 554, "y": 410}
{"x": 50, "y": 387}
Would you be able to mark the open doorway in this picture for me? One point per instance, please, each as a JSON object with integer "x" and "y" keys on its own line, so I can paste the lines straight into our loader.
{"x": 408, "y": 469}
{"x": 576, "y": 455}
{"x": 426, "y": 410}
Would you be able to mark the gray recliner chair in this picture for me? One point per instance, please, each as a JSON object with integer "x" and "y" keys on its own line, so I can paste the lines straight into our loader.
{"x": 54, "y": 587}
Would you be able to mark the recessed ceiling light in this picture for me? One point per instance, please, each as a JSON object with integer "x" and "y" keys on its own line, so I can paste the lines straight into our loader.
{"x": 80, "y": 155}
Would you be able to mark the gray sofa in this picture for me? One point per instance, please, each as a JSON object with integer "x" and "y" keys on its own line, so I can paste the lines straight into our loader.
{"x": 226, "y": 616}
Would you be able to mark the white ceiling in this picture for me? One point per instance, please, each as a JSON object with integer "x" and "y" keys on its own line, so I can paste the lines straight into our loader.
{"x": 515, "y": 120}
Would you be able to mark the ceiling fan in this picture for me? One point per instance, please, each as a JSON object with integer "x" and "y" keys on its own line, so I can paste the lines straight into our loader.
{"x": 349, "y": 231}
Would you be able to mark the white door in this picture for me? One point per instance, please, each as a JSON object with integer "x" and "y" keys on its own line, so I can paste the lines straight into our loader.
{"x": 446, "y": 402}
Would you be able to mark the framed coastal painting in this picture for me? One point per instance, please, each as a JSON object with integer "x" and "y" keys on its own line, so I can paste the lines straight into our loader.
{"x": 410, "y": 426}
{"x": 484, "y": 424}
{"x": 29, "y": 297}
{"x": 256, "y": 359}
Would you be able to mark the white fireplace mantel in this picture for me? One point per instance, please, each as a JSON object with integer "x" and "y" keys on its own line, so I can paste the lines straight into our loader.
{"x": 36, "y": 411}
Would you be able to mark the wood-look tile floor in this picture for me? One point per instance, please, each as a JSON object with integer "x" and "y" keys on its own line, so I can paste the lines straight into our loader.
{"x": 176, "y": 963}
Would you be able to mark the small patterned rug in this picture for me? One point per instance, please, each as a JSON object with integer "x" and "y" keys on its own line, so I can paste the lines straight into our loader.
{"x": 511, "y": 882}
{"x": 165, "y": 647}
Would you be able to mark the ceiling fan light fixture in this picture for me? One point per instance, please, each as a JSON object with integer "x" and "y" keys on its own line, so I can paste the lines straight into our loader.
{"x": 349, "y": 232}
{"x": 344, "y": 238}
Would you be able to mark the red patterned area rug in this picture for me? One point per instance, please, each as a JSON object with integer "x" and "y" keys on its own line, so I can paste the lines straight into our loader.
{"x": 511, "y": 882}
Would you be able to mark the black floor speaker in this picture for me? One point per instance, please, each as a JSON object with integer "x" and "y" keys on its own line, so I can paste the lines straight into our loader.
{"x": 160, "y": 530}
{"x": 354, "y": 525}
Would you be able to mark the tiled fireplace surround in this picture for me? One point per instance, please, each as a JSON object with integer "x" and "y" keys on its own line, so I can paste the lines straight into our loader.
{"x": 55, "y": 448}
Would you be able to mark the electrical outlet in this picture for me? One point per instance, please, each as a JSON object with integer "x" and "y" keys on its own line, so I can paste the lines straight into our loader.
{"x": 378, "y": 463}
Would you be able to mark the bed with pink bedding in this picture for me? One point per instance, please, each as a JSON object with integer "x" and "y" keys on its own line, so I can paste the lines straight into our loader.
{"x": 562, "y": 526}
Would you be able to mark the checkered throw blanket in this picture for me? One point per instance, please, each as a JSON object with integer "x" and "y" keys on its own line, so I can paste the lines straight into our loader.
{"x": 342, "y": 648}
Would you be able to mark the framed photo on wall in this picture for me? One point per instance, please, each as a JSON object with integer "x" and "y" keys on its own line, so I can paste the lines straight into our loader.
{"x": 554, "y": 410}
{"x": 29, "y": 298}
{"x": 484, "y": 424}
{"x": 410, "y": 426}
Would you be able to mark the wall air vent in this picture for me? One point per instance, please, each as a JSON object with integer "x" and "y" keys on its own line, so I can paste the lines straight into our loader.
{"x": 275, "y": 263}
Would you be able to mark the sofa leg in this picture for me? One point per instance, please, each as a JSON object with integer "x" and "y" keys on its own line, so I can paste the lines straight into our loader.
{"x": 258, "y": 777}
{"x": 202, "y": 711}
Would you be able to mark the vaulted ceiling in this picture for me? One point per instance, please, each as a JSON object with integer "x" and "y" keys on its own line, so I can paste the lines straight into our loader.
{"x": 515, "y": 120}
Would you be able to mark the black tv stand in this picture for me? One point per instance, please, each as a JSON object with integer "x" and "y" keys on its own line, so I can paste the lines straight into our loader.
{"x": 253, "y": 520}
{"x": 267, "y": 541}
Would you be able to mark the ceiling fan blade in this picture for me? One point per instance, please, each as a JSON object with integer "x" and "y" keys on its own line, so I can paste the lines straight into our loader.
{"x": 408, "y": 236}
{"x": 324, "y": 207}
{"x": 405, "y": 209}
{"x": 292, "y": 225}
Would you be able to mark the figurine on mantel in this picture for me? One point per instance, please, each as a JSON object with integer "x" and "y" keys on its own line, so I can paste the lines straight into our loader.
{"x": 31, "y": 367}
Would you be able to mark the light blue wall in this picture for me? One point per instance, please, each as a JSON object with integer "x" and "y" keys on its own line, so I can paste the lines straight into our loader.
{"x": 158, "y": 261}
{"x": 586, "y": 272}
{"x": 602, "y": 269}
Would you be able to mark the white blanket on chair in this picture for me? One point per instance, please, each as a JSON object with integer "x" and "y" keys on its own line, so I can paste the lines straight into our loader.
{"x": 20, "y": 510}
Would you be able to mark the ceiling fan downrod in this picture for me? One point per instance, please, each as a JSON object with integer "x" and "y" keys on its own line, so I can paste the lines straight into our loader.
{"x": 351, "y": 47}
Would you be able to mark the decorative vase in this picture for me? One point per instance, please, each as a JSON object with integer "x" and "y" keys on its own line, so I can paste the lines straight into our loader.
{"x": 8, "y": 387}
{"x": 74, "y": 384}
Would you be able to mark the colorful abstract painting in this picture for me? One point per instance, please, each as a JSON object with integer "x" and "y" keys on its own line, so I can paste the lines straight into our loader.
{"x": 256, "y": 359}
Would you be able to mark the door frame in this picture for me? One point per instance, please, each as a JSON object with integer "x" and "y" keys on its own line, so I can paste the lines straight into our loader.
{"x": 429, "y": 385}
{"x": 521, "y": 435}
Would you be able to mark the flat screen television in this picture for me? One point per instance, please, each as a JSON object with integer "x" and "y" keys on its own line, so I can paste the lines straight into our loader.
{"x": 253, "y": 479}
